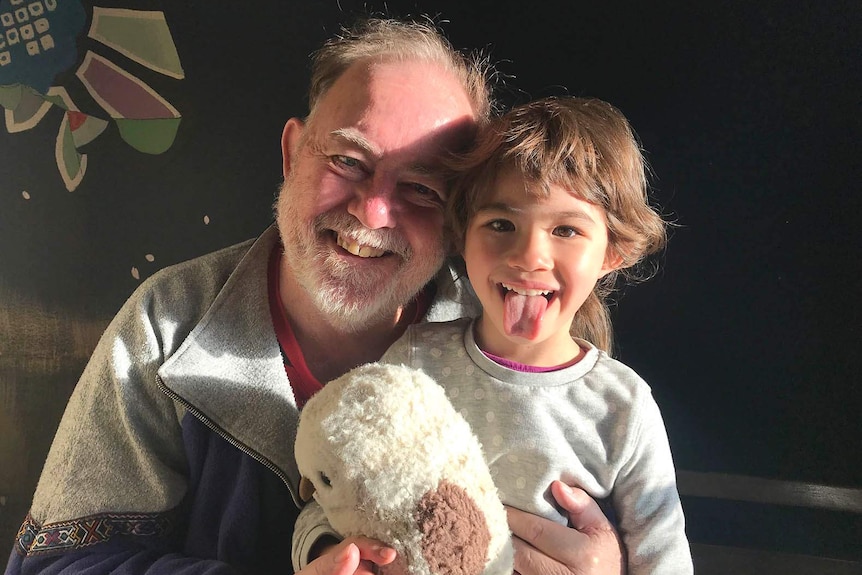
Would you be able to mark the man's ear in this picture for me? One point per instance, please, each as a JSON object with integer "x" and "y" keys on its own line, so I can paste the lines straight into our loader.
{"x": 290, "y": 137}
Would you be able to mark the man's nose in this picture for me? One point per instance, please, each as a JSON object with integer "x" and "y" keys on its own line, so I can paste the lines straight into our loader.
{"x": 373, "y": 205}
{"x": 530, "y": 252}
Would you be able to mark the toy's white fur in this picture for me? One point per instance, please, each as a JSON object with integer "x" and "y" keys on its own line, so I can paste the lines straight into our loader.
{"x": 375, "y": 441}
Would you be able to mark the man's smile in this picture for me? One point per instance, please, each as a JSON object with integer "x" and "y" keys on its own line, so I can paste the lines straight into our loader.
{"x": 357, "y": 249}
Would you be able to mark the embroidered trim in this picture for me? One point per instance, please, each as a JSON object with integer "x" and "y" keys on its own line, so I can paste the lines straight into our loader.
{"x": 34, "y": 539}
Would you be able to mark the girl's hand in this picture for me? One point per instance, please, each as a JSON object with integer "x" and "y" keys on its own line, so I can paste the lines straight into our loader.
{"x": 353, "y": 556}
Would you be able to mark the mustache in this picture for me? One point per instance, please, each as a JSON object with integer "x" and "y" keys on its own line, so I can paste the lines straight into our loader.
{"x": 348, "y": 226}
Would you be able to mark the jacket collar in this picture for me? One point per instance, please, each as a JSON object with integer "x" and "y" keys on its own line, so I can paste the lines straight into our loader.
{"x": 229, "y": 371}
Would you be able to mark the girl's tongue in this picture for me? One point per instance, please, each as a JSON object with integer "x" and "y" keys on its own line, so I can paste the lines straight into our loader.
{"x": 522, "y": 314}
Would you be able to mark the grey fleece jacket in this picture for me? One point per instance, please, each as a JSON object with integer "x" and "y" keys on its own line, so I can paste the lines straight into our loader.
{"x": 194, "y": 339}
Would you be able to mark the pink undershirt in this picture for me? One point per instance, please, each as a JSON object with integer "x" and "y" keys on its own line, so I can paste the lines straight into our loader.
{"x": 523, "y": 367}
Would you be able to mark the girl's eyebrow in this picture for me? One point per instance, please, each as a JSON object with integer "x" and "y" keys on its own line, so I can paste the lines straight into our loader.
{"x": 498, "y": 207}
{"x": 578, "y": 215}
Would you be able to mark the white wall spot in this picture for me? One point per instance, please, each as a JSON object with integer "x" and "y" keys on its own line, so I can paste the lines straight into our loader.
{"x": 206, "y": 220}
{"x": 150, "y": 257}
{"x": 25, "y": 194}
{"x": 135, "y": 273}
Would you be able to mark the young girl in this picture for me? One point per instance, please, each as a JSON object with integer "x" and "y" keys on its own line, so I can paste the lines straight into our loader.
{"x": 549, "y": 210}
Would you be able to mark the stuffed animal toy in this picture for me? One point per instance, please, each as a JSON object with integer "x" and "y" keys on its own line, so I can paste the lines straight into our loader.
{"x": 388, "y": 457}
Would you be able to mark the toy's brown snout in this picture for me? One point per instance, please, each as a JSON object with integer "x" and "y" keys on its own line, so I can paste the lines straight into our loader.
{"x": 455, "y": 535}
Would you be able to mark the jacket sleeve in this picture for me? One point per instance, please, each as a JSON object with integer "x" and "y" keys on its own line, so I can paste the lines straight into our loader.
{"x": 118, "y": 561}
{"x": 109, "y": 494}
{"x": 647, "y": 502}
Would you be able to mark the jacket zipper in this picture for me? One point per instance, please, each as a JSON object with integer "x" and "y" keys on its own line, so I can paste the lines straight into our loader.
{"x": 227, "y": 437}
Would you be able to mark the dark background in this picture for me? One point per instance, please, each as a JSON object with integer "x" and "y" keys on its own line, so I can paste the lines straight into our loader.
{"x": 750, "y": 115}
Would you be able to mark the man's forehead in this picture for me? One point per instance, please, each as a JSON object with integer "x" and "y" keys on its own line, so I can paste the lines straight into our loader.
{"x": 422, "y": 90}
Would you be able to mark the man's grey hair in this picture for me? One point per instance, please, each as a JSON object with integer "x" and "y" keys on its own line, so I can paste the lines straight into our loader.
{"x": 384, "y": 39}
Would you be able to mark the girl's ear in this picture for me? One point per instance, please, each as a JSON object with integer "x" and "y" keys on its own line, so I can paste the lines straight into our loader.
{"x": 613, "y": 261}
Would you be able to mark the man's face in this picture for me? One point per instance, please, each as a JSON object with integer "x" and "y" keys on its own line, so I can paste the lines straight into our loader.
{"x": 360, "y": 212}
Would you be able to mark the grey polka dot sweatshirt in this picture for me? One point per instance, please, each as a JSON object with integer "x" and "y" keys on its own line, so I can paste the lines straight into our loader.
{"x": 594, "y": 424}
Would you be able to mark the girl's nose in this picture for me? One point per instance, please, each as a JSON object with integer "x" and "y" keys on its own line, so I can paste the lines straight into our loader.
{"x": 530, "y": 252}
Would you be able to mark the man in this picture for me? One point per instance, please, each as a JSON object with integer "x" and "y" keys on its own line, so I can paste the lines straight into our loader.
{"x": 176, "y": 451}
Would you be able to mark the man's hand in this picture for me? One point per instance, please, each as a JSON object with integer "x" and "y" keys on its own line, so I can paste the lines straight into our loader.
{"x": 353, "y": 556}
{"x": 589, "y": 547}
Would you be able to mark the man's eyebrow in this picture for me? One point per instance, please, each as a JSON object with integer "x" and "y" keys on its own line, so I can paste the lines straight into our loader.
{"x": 354, "y": 137}
{"x": 425, "y": 170}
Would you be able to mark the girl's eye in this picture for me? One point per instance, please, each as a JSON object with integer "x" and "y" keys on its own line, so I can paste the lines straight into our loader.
{"x": 565, "y": 231}
{"x": 501, "y": 225}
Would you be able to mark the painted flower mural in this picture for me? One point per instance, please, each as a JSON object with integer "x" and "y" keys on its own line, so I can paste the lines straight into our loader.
{"x": 39, "y": 41}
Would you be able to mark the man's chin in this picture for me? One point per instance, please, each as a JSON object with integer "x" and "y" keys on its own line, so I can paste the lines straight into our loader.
{"x": 353, "y": 317}
{"x": 354, "y": 297}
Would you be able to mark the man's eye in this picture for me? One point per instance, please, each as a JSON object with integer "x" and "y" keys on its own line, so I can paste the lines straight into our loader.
{"x": 565, "y": 231}
{"x": 423, "y": 190}
{"x": 346, "y": 161}
{"x": 423, "y": 195}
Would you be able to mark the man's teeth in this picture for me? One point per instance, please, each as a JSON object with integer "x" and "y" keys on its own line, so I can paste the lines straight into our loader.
{"x": 359, "y": 250}
{"x": 522, "y": 291}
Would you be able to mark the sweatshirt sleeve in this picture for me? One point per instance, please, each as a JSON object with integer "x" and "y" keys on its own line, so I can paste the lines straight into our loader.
{"x": 645, "y": 496}
{"x": 311, "y": 526}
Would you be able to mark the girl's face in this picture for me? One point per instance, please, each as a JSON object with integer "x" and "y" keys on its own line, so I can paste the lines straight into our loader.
{"x": 533, "y": 262}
